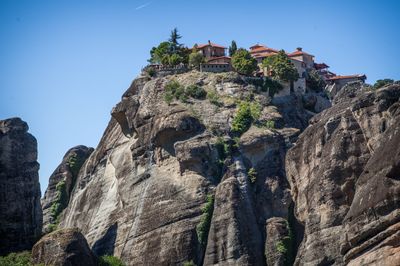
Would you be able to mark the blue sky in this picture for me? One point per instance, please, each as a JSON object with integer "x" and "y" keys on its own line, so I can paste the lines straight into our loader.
{"x": 65, "y": 64}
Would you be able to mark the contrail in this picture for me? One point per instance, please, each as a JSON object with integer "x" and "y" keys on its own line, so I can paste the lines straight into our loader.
{"x": 142, "y": 6}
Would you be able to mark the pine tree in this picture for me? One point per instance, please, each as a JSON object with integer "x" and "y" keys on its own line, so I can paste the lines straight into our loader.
{"x": 173, "y": 39}
{"x": 232, "y": 48}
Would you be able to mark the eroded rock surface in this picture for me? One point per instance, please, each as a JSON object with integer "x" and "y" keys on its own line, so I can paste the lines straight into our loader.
{"x": 142, "y": 194}
{"x": 65, "y": 247}
{"x": 344, "y": 177}
{"x": 63, "y": 178}
{"x": 20, "y": 210}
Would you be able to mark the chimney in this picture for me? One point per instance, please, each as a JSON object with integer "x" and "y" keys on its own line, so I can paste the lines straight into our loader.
{"x": 209, "y": 42}
{"x": 299, "y": 49}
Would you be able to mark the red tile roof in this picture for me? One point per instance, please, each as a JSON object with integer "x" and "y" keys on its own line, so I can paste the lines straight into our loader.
{"x": 258, "y": 55}
{"x": 348, "y": 77}
{"x": 200, "y": 46}
{"x": 255, "y": 46}
{"x": 297, "y": 53}
{"x": 262, "y": 49}
{"x": 320, "y": 65}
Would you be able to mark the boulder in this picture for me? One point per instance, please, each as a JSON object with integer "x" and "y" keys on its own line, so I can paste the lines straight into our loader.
{"x": 65, "y": 247}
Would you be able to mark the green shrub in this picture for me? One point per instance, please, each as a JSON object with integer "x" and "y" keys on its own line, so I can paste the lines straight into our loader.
{"x": 314, "y": 81}
{"x": 108, "y": 260}
{"x": 151, "y": 71}
{"x": 382, "y": 82}
{"x": 16, "y": 259}
{"x": 267, "y": 84}
{"x": 213, "y": 97}
{"x": 243, "y": 119}
{"x": 252, "y": 174}
{"x": 168, "y": 97}
{"x": 189, "y": 263}
{"x": 196, "y": 92}
{"x": 75, "y": 163}
{"x": 59, "y": 204}
{"x": 270, "y": 124}
{"x": 173, "y": 89}
{"x": 281, "y": 247}
{"x": 205, "y": 221}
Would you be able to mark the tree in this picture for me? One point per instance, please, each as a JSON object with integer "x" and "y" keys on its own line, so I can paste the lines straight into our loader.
{"x": 280, "y": 67}
{"x": 232, "y": 48}
{"x": 195, "y": 59}
{"x": 382, "y": 82}
{"x": 175, "y": 60}
{"x": 158, "y": 53}
{"x": 243, "y": 62}
{"x": 173, "y": 39}
{"x": 314, "y": 81}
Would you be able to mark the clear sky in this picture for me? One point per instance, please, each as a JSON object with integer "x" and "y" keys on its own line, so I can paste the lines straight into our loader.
{"x": 65, "y": 64}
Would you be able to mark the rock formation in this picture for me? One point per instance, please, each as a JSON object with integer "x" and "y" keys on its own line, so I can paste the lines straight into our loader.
{"x": 344, "y": 173}
{"x": 63, "y": 247}
{"x": 145, "y": 192}
{"x": 61, "y": 183}
{"x": 171, "y": 182}
{"x": 20, "y": 211}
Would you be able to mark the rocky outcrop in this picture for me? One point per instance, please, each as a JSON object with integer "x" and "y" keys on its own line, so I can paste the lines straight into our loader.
{"x": 144, "y": 193}
{"x": 65, "y": 247}
{"x": 21, "y": 214}
{"x": 61, "y": 183}
{"x": 344, "y": 177}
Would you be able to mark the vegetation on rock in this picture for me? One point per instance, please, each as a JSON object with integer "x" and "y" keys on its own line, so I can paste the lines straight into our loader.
{"x": 267, "y": 84}
{"x": 252, "y": 174}
{"x": 247, "y": 114}
{"x": 18, "y": 259}
{"x": 175, "y": 90}
{"x": 243, "y": 62}
{"x": 205, "y": 221}
{"x": 108, "y": 260}
{"x": 280, "y": 67}
{"x": 382, "y": 82}
{"x": 195, "y": 92}
{"x": 213, "y": 97}
{"x": 314, "y": 81}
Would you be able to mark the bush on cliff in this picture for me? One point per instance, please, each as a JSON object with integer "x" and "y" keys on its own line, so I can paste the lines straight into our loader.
{"x": 108, "y": 260}
{"x": 205, "y": 221}
{"x": 17, "y": 259}
{"x": 245, "y": 116}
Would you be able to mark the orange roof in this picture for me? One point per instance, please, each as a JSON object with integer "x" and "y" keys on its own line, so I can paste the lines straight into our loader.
{"x": 262, "y": 49}
{"x": 200, "y": 46}
{"x": 297, "y": 53}
{"x": 258, "y": 55}
{"x": 255, "y": 46}
{"x": 348, "y": 77}
{"x": 320, "y": 65}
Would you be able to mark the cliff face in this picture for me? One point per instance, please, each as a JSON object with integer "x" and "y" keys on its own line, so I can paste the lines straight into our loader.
{"x": 344, "y": 174}
{"x": 21, "y": 214}
{"x": 61, "y": 183}
{"x": 170, "y": 183}
{"x": 167, "y": 183}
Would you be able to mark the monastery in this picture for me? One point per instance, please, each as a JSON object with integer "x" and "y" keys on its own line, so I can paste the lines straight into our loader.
{"x": 218, "y": 61}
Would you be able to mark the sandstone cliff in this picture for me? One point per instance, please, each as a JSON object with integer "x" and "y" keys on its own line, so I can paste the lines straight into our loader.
{"x": 20, "y": 211}
{"x": 171, "y": 182}
{"x": 344, "y": 174}
{"x": 168, "y": 183}
{"x": 61, "y": 183}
